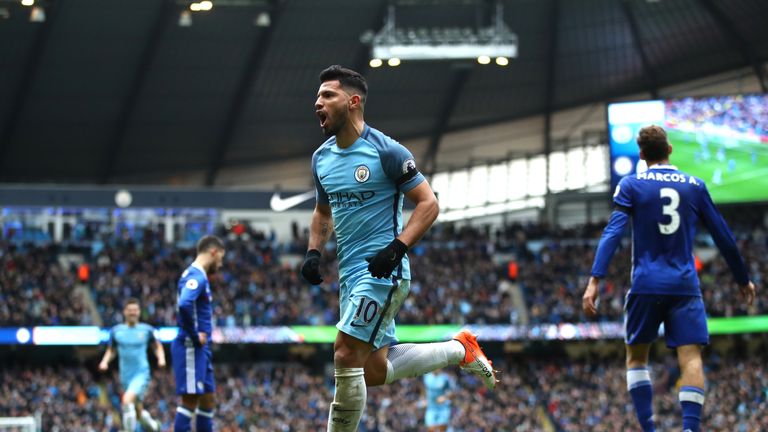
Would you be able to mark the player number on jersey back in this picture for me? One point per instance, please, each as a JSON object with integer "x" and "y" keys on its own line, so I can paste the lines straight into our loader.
{"x": 670, "y": 210}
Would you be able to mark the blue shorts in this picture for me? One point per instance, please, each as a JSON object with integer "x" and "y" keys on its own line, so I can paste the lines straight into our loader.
{"x": 437, "y": 416}
{"x": 368, "y": 307}
{"x": 684, "y": 319}
{"x": 136, "y": 383}
{"x": 192, "y": 368}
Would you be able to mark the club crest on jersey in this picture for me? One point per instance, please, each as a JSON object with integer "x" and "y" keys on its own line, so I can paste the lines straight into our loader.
{"x": 362, "y": 173}
{"x": 408, "y": 166}
{"x": 191, "y": 284}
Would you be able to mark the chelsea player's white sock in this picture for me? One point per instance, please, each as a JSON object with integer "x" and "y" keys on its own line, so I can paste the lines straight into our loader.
{"x": 349, "y": 401}
{"x": 412, "y": 360}
{"x": 129, "y": 418}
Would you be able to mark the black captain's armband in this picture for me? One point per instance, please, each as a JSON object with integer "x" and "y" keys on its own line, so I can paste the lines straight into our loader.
{"x": 623, "y": 209}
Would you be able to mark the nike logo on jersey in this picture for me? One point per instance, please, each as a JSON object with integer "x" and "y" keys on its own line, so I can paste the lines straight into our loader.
{"x": 279, "y": 204}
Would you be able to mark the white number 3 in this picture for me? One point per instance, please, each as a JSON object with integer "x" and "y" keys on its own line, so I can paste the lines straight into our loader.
{"x": 671, "y": 210}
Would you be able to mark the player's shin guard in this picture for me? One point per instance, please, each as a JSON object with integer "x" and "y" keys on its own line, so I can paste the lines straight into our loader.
{"x": 349, "y": 401}
{"x": 641, "y": 390}
{"x": 692, "y": 400}
{"x": 183, "y": 420}
{"x": 129, "y": 418}
{"x": 412, "y": 360}
{"x": 148, "y": 424}
{"x": 204, "y": 420}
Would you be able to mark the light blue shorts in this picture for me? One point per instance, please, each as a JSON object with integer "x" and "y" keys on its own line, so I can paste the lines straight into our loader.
{"x": 368, "y": 308}
{"x": 437, "y": 416}
{"x": 136, "y": 384}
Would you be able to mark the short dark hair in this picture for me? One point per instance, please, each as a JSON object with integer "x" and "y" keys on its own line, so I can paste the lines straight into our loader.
{"x": 130, "y": 301}
{"x": 653, "y": 142}
{"x": 348, "y": 79}
{"x": 209, "y": 242}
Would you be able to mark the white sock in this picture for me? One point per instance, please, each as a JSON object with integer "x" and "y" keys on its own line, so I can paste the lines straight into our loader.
{"x": 148, "y": 422}
{"x": 412, "y": 360}
{"x": 349, "y": 401}
{"x": 129, "y": 418}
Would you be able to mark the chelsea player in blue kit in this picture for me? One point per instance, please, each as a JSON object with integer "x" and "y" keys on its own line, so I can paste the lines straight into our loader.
{"x": 439, "y": 388}
{"x": 191, "y": 350}
{"x": 130, "y": 342}
{"x": 664, "y": 206}
{"x": 361, "y": 177}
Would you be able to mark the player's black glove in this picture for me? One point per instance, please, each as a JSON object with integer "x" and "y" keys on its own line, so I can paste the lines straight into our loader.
{"x": 310, "y": 270}
{"x": 387, "y": 259}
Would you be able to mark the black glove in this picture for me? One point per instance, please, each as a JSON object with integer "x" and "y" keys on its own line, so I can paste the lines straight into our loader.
{"x": 310, "y": 270}
{"x": 387, "y": 259}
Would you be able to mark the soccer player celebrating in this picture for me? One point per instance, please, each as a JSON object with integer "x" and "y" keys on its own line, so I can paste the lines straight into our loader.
{"x": 361, "y": 176}
{"x": 191, "y": 350}
{"x": 439, "y": 388}
{"x": 130, "y": 341}
{"x": 664, "y": 205}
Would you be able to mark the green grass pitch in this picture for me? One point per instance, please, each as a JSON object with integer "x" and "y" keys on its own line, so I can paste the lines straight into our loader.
{"x": 741, "y": 176}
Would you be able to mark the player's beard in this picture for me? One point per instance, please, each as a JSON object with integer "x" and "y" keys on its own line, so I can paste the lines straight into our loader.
{"x": 331, "y": 129}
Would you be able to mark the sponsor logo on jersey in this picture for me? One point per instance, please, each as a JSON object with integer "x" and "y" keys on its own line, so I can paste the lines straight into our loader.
{"x": 350, "y": 199}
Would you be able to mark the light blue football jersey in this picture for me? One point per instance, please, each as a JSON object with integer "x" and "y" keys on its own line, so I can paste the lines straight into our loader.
{"x": 437, "y": 385}
{"x": 364, "y": 185}
{"x": 131, "y": 344}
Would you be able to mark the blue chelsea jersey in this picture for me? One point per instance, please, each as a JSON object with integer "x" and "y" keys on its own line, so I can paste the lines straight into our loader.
{"x": 664, "y": 205}
{"x": 364, "y": 186}
{"x": 195, "y": 311}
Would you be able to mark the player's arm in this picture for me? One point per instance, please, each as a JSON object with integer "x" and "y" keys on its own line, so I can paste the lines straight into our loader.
{"x": 109, "y": 354}
{"x": 423, "y": 215}
{"x": 321, "y": 226}
{"x": 400, "y": 167}
{"x": 187, "y": 299}
{"x": 159, "y": 351}
{"x": 320, "y": 229}
{"x": 609, "y": 242}
{"x": 726, "y": 243}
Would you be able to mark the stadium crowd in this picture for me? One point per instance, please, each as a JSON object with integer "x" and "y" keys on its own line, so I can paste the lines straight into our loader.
{"x": 737, "y": 113}
{"x": 36, "y": 289}
{"x": 457, "y": 274}
{"x": 290, "y": 397}
{"x": 260, "y": 397}
{"x": 595, "y": 395}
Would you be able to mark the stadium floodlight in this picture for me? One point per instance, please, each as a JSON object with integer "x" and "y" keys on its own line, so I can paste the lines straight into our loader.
{"x": 375, "y": 62}
{"x": 484, "y": 60}
{"x": 495, "y": 41}
{"x": 502, "y": 61}
{"x": 206, "y": 5}
{"x": 394, "y": 61}
{"x": 185, "y": 19}
{"x": 37, "y": 15}
{"x": 27, "y": 2}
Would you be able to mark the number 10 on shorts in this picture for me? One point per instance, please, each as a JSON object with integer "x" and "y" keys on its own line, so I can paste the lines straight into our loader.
{"x": 367, "y": 309}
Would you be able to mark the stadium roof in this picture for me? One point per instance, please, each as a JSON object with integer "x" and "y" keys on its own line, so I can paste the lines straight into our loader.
{"x": 104, "y": 90}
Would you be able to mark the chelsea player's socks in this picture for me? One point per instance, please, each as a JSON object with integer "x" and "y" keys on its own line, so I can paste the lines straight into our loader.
{"x": 183, "y": 420}
{"x": 692, "y": 400}
{"x": 641, "y": 390}
{"x": 204, "y": 420}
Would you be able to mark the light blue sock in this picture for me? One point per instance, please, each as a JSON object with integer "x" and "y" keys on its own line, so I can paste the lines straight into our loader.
{"x": 641, "y": 390}
{"x": 183, "y": 420}
{"x": 204, "y": 420}
{"x": 692, "y": 400}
